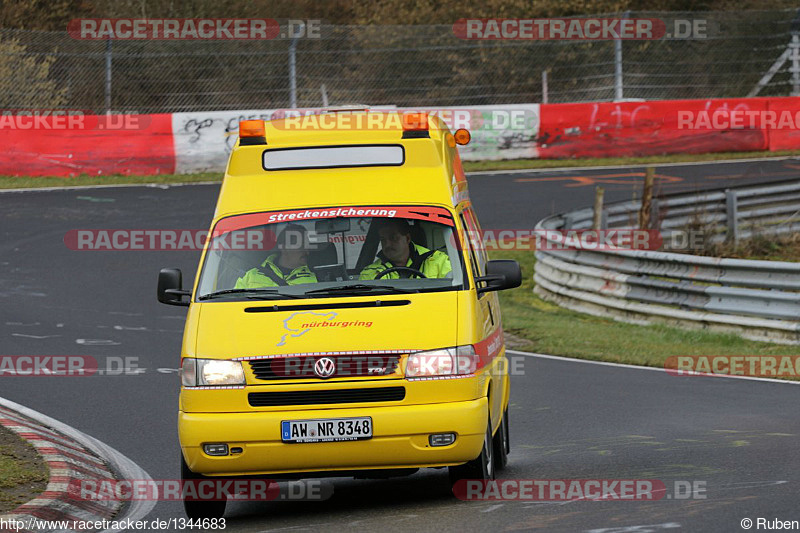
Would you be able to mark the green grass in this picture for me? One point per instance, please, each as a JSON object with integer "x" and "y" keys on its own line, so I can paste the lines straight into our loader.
{"x": 762, "y": 247}
{"x": 17, "y": 182}
{"x": 516, "y": 164}
{"x": 14, "y": 472}
{"x": 23, "y": 474}
{"x": 553, "y": 330}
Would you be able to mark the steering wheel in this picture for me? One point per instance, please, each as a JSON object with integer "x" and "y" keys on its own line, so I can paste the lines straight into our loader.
{"x": 396, "y": 269}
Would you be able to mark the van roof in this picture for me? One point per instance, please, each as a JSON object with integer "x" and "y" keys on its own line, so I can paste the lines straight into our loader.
{"x": 431, "y": 172}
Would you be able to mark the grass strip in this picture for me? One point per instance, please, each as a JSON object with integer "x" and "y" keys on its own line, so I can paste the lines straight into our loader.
{"x": 540, "y": 326}
{"x": 20, "y": 182}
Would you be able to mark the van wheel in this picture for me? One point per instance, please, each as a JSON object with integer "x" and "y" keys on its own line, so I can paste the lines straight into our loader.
{"x": 195, "y": 508}
{"x": 482, "y": 467}
{"x": 501, "y": 443}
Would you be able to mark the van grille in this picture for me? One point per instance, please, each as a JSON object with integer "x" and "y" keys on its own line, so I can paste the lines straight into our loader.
{"x": 346, "y": 366}
{"x": 271, "y": 399}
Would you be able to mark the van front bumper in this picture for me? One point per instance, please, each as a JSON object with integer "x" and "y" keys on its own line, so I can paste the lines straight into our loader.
{"x": 400, "y": 439}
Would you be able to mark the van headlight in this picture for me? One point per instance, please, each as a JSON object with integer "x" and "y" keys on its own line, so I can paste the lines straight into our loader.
{"x": 456, "y": 361}
{"x": 198, "y": 372}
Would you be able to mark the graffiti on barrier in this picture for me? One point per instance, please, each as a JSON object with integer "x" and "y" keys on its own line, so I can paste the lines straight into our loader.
{"x": 204, "y": 140}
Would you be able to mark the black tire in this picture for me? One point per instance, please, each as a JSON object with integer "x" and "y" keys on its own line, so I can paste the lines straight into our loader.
{"x": 501, "y": 444}
{"x": 508, "y": 432}
{"x": 482, "y": 467}
{"x": 199, "y": 509}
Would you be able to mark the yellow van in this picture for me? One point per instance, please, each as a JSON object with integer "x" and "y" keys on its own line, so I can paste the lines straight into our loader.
{"x": 342, "y": 321}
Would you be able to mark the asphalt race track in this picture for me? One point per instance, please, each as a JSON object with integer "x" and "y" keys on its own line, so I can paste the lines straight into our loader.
{"x": 735, "y": 440}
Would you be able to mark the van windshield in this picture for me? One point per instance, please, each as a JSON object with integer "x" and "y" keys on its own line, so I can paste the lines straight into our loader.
{"x": 335, "y": 251}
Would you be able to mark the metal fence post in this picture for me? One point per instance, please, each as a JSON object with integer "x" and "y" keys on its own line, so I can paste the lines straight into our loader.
{"x": 108, "y": 76}
{"x": 795, "y": 68}
{"x": 292, "y": 75}
{"x": 732, "y": 216}
{"x": 544, "y": 86}
{"x": 617, "y": 69}
{"x": 618, "y": 89}
{"x": 324, "y": 92}
{"x": 293, "y": 65}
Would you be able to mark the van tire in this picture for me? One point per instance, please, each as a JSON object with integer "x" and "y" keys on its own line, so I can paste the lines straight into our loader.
{"x": 501, "y": 443}
{"x": 482, "y": 467}
{"x": 195, "y": 509}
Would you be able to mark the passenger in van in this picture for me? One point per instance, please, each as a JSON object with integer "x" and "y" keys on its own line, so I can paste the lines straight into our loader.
{"x": 397, "y": 249}
{"x": 287, "y": 266}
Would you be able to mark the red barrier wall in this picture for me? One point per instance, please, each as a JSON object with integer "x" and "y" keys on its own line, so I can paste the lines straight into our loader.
{"x": 604, "y": 129}
{"x": 100, "y": 146}
{"x": 647, "y": 128}
{"x": 785, "y": 138}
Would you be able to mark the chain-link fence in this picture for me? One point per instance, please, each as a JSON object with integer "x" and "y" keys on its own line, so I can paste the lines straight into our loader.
{"x": 400, "y": 65}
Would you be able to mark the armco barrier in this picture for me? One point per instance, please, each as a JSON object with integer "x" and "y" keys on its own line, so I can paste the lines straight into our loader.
{"x": 201, "y": 141}
{"x": 757, "y": 300}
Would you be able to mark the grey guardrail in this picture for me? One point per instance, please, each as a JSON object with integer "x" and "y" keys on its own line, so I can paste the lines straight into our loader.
{"x": 754, "y": 299}
{"x": 733, "y": 213}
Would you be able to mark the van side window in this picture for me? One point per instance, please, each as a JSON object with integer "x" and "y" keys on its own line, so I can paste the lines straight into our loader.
{"x": 475, "y": 233}
{"x": 468, "y": 244}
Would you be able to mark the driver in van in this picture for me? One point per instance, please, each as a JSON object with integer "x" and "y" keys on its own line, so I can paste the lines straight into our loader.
{"x": 287, "y": 266}
{"x": 398, "y": 250}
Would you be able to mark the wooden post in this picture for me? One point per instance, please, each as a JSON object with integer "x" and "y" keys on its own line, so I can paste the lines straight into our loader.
{"x": 597, "y": 218}
{"x": 647, "y": 198}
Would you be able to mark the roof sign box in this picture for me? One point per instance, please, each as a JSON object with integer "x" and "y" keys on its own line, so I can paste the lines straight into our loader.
{"x": 377, "y": 155}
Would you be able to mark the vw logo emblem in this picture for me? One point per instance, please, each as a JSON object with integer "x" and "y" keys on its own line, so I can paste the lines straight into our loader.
{"x": 325, "y": 367}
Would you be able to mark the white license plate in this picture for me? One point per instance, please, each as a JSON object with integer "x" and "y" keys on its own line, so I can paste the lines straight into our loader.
{"x": 326, "y": 430}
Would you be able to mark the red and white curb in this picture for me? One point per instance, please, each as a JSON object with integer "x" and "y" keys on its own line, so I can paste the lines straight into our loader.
{"x": 71, "y": 456}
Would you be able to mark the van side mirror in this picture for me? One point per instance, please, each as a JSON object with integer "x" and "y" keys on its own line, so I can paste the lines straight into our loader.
{"x": 170, "y": 283}
{"x": 501, "y": 274}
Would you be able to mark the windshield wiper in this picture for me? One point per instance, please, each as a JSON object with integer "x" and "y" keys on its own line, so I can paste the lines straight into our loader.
{"x": 256, "y": 294}
{"x": 361, "y": 288}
